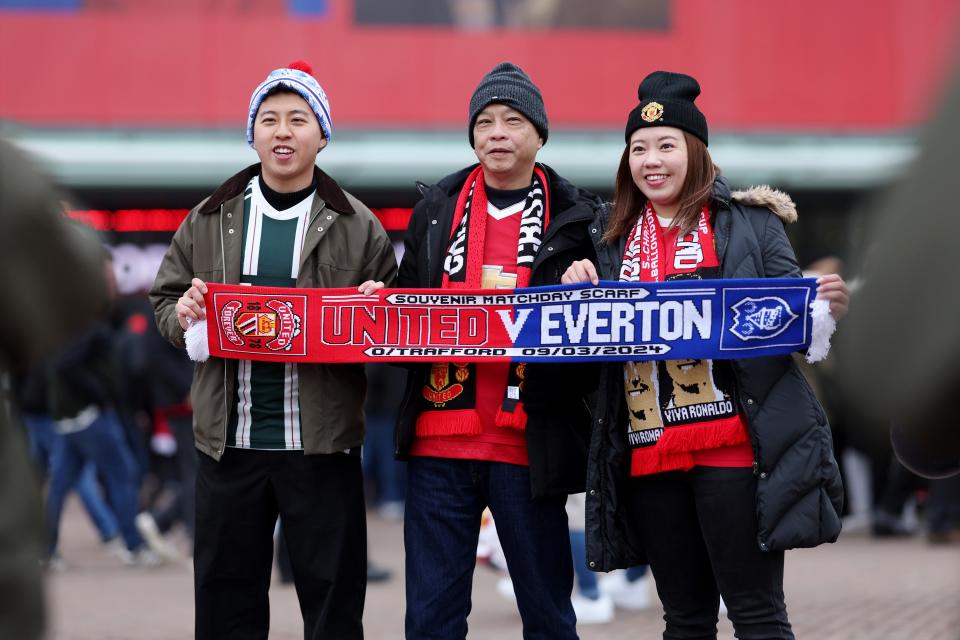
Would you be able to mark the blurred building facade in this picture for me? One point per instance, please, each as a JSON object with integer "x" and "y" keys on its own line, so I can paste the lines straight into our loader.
{"x": 138, "y": 106}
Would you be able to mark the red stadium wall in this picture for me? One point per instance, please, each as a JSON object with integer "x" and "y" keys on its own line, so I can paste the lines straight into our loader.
{"x": 819, "y": 65}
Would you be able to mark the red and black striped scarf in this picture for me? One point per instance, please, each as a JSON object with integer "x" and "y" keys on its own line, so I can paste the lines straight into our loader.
{"x": 448, "y": 401}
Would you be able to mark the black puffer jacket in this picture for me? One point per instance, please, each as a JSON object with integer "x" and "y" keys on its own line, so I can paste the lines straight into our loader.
{"x": 558, "y": 424}
{"x": 799, "y": 491}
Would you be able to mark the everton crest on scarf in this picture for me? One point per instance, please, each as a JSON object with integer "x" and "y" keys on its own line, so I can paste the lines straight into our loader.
{"x": 449, "y": 393}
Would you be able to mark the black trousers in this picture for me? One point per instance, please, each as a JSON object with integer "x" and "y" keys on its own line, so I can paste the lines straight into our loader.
{"x": 699, "y": 529}
{"x": 319, "y": 499}
{"x": 183, "y": 506}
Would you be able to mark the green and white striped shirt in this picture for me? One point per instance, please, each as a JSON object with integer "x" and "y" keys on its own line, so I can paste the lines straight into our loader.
{"x": 267, "y": 410}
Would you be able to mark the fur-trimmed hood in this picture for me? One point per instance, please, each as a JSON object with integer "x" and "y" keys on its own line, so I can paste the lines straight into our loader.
{"x": 764, "y": 196}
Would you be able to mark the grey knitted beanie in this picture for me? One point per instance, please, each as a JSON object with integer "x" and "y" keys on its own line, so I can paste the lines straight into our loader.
{"x": 508, "y": 84}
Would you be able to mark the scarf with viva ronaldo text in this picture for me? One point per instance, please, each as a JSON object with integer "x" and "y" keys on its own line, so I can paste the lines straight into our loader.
{"x": 676, "y": 407}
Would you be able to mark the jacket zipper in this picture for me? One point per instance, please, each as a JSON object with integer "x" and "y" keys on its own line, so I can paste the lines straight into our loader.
{"x": 722, "y": 249}
{"x": 223, "y": 278}
{"x": 742, "y": 407}
{"x": 430, "y": 226}
{"x": 548, "y": 236}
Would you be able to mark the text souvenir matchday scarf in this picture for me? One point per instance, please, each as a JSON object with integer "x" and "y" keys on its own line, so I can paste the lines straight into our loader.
{"x": 679, "y": 406}
{"x": 449, "y": 406}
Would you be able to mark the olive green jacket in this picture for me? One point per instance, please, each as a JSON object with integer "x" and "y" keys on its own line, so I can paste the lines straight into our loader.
{"x": 345, "y": 246}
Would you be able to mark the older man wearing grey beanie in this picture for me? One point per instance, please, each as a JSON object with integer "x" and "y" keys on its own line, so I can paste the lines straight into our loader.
{"x": 506, "y": 436}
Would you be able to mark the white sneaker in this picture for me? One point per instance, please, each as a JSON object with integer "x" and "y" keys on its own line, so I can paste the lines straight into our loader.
{"x": 115, "y": 548}
{"x": 159, "y": 545}
{"x": 599, "y": 611}
{"x": 144, "y": 557}
{"x": 392, "y": 511}
{"x": 141, "y": 557}
{"x": 54, "y": 563}
{"x": 632, "y": 596}
{"x": 505, "y": 589}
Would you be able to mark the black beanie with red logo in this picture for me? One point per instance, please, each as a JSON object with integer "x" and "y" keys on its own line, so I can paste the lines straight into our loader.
{"x": 666, "y": 100}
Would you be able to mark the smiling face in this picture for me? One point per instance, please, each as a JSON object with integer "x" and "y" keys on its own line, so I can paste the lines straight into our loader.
{"x": 658, "y": 164}
{"x": 506, "y": 144}
{"x": 287, "y": 138}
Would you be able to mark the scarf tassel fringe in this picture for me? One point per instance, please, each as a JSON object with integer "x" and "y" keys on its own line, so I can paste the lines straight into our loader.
{"x": 673, "y": 451}
{"x": 195, "y": 337}
{"x": 516, "y": 419}
{"x": 823, "y": 327}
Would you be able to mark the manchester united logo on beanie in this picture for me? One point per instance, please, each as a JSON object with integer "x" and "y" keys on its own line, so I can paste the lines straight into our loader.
{"x": 652, "y": 112}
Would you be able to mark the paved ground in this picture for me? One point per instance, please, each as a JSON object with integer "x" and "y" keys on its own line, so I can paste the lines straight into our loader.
{"x": 859, "y": 588}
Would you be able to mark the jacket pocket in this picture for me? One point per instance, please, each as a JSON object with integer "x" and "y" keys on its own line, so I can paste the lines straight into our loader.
{"x": 333, "y": 276}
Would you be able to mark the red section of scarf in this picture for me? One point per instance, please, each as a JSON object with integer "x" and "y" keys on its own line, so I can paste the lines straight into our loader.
{"x": 476, "y": 230}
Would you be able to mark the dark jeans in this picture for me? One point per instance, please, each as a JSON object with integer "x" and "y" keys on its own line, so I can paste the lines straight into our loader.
{"x": 379, "y": 465}
{"x": 699, "y": 530}
{"x": 943, "y": 506}
{"x": 101, "y": 444}
{"x": 44, "y": 443}
{"x": 445, "y": 500}
{"x": 587, "y": 582}
{"x": 586, "y": 579}
{"x": 320, "y": 501}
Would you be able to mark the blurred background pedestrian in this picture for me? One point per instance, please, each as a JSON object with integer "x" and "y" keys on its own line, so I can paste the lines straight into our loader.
{"x": 53, "y": 285}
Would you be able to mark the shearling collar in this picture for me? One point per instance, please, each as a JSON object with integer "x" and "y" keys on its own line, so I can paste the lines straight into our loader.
{"x": 764, "y": 196}
{"x": 327, "y": 189}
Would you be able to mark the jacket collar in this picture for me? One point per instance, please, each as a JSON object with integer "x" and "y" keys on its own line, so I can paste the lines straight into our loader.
{"x": 721, "y": 191}
{"x": 327, "y": 190}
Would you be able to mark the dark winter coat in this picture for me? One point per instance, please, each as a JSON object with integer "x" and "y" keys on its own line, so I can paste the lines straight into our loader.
{"x": 799, "y": 491}
{"x": 558, "y": 422}
{"x": 85, "y": 373}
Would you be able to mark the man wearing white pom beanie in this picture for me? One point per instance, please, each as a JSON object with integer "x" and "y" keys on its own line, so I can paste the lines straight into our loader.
{"x": 276, "y": 438}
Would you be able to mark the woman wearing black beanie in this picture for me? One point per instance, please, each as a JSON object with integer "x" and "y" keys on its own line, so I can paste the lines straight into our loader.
{"x": 728, "y": 463}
